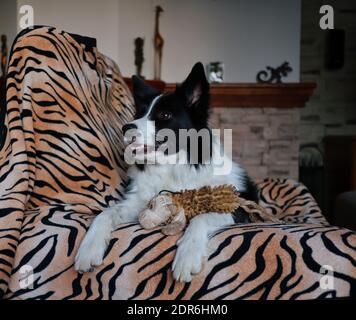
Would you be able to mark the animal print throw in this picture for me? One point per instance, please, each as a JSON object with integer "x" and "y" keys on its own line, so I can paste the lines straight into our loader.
{"x": 61, "y": 163}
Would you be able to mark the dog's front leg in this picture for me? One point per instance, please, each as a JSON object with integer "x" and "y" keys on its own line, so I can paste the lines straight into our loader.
{"x": 96, "y": 240}
{"x": 192, "y": 248}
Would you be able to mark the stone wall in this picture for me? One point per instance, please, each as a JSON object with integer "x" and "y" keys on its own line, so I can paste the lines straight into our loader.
{"x": 332, "y": 109}
{"x": 264, "y": 140}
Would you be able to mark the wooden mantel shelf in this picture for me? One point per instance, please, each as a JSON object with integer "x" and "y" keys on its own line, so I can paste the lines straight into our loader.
{"x": 250, "y": 95}
{"x": 247, "y": 95}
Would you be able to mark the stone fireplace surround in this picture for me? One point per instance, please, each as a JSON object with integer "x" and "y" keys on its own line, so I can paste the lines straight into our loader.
{"x": 264, "y": 140}
{"x": 264, "y": 119}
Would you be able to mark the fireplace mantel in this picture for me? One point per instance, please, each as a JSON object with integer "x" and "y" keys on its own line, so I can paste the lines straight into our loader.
{"x": 251, "y": 95}
{"x": 245, "y": 95}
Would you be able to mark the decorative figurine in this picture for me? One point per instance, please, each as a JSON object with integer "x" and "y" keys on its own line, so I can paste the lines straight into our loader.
{"x": 158, "y": 46}
{"x": 276, "y": 74}
{"x": 139, "y": 58}
{"x": 215, "y": 71}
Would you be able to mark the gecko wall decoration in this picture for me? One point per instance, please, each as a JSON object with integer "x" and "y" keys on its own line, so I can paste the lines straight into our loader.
{"x": 276, "y": 74}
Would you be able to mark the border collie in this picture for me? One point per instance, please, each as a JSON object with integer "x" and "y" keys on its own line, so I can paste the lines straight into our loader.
{"x": 186, "y": 108}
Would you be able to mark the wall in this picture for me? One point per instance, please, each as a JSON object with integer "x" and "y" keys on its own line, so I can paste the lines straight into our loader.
{"x": 245, "y": 35}
{"x": 332, "y": 109}
{"x": 8, "y": 20}
{"x": 98, "y": 19}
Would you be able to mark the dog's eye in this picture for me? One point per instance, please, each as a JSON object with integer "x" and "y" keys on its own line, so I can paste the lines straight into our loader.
{"x": 164, "y": 115}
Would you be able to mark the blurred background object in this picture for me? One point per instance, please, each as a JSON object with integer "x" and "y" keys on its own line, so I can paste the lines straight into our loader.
{"x": 274, "y": 75}
{"x": 215, "y": 72}
{"x": 158, "y": 46}
{"x": 139, "y": 57}
{"x": 3, "y": 55}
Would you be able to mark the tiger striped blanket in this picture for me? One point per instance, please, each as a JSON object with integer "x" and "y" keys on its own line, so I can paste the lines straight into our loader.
{"x": 61, "y": 164}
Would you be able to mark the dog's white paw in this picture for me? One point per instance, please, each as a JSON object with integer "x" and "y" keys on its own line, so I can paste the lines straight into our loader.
{"x": 189, "y": 260}
{"x": 92, "y": 249}
{"x": 90, "y": 254}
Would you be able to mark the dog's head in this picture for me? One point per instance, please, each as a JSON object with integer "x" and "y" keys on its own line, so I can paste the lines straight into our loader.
{"x": 185, "y": 108}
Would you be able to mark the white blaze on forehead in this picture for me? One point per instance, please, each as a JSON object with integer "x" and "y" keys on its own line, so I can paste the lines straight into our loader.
{"x": 146, "y": 126}
{"x": 145, "y": 116}
{"x": 154, "y": 101}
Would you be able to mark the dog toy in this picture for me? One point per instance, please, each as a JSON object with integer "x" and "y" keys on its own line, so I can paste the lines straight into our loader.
{"x": 173, "y": 210}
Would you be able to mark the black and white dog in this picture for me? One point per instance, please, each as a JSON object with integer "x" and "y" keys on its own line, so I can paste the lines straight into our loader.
{"x": 186, "y": 108}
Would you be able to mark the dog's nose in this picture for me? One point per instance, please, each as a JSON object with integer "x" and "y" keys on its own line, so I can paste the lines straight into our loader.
{"x": 126, "y": 127}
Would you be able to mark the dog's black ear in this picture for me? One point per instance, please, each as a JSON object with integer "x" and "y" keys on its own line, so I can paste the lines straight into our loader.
{"x": 195, "y": 88}
{"x": 142, "y": 92}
